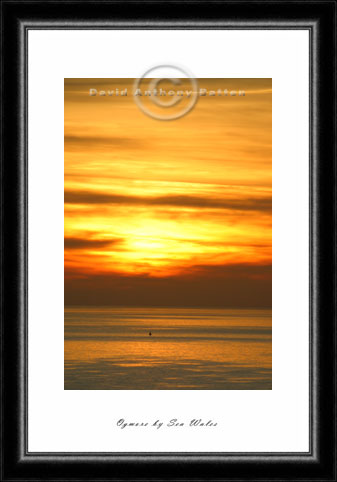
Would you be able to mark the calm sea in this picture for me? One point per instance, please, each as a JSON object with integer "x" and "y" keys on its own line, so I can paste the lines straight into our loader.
{"x": 189, "y": 349}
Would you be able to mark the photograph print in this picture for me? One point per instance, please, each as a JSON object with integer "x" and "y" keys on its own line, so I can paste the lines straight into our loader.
{"x": 168, "y": 234}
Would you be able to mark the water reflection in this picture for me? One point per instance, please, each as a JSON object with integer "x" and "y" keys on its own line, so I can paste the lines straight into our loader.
{"x": 110, "y": 349}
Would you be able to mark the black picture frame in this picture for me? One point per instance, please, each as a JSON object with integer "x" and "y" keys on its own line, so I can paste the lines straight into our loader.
{"x": 319, "y": 18}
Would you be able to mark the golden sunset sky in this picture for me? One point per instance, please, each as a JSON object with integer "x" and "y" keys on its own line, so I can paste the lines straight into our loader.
{"x": 168, "y": 213}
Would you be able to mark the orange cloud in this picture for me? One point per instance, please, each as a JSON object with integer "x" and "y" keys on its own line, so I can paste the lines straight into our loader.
{"x": 183, "y": 200}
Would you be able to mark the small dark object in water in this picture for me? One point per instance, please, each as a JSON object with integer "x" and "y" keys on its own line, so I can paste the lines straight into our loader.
{"x": 150, "y": 334}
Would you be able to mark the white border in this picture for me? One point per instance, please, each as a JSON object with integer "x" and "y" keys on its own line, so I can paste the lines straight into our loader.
{"x": 249, "y": 421}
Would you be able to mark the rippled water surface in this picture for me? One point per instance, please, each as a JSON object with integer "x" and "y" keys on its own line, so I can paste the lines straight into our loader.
{"x": 189, "y": 349}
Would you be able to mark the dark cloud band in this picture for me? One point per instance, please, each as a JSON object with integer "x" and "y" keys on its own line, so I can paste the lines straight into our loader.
{"x": 249, "y": 204}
